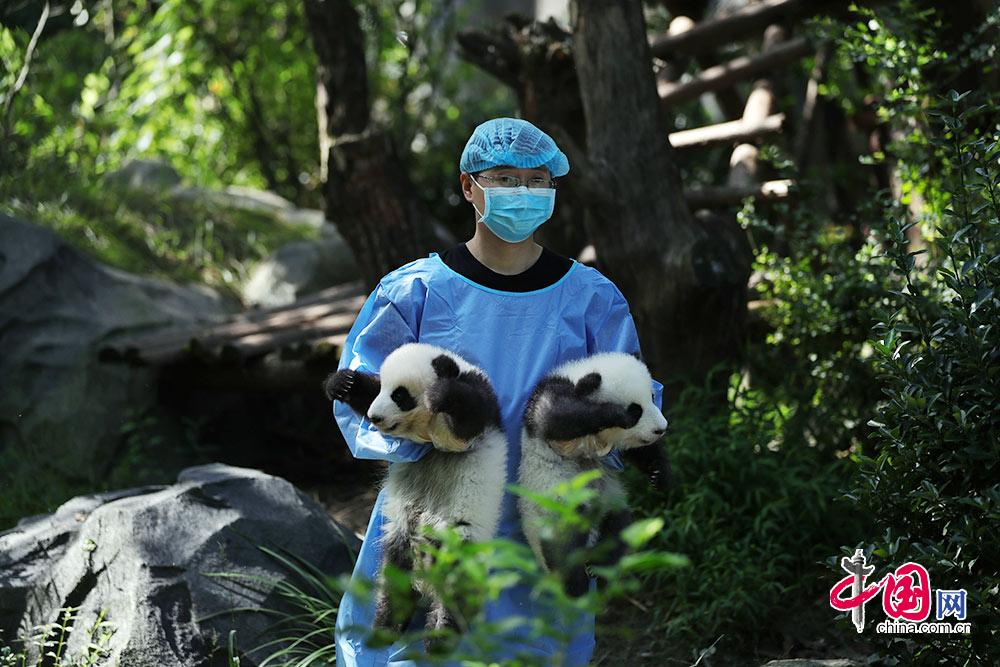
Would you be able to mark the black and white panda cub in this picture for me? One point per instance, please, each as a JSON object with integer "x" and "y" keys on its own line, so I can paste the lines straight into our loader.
{"x": 574, "y": 416}
{"x": 430, "y": 395}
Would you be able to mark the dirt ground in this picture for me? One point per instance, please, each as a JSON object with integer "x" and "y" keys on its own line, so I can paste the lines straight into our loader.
{"x": 350, "y": 495}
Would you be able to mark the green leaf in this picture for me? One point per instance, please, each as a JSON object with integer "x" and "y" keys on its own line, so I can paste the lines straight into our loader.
{"x": 642, "y": 531}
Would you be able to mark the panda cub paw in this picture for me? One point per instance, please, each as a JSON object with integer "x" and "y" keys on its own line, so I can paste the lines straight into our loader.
{"x": 356, "y": 388}
{"x": 338, "y": 385}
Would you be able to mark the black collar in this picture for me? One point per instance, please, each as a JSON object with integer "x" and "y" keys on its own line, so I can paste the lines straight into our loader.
{"x": 547, "y": 269}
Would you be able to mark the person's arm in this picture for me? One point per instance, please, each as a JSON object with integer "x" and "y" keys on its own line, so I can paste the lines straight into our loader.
{"x": 615, "y": 332}
{"x": 378, "y": 330}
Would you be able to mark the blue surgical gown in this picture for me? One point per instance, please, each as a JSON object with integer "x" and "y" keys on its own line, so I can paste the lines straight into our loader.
{"x": 517, "y": 338}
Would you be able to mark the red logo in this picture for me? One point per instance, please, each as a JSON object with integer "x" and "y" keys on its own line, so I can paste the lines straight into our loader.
{"x": 906, "y": 592}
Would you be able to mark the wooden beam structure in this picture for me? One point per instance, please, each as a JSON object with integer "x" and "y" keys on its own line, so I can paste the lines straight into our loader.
{"x": 739, "y": 25}
{"x": 725, "y": 75}
{"x": 731, "y": 131}
{"x": 720, "y": 196}
{"x": 315, "y": 323}
{"x": 744, "y": 166}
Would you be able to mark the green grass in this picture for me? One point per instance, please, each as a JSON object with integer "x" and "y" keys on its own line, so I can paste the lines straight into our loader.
{"x": 46, "y": 643}
{"x": 149, "y": 233}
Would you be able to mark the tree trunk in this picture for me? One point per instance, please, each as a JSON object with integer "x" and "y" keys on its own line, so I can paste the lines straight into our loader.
{"x": 366, "y": 190}
{"x": 685, "y": 281}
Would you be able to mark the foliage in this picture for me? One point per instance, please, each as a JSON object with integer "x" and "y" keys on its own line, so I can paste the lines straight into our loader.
{"x": 150, "y": 452}
{"x": 893, "y": 60}
{"x": 177, "y": 80}
{"x": 751, "y": 505}
{"x": 427, "y": 97}
{"x": 46, "y": 643}
{"x": 932, "y": 480}
{"x": 160, "y": 234}
{"x": 755, "y": 501}
{"x": 471, "y": 574}
{"x": 467, "y": 575}
{"x": 814, "y": 299}
{"x": 96, "y": 97}
{"x": 304, "y": 623}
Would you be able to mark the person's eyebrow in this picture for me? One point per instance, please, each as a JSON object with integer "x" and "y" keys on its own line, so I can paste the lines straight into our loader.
{"x": 536, "y": 173}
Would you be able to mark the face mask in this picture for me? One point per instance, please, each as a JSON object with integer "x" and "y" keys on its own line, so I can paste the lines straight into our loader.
{"x": 514, "y": 213}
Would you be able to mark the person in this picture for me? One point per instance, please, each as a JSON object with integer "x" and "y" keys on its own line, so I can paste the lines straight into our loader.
{"x": 512, "y": 307}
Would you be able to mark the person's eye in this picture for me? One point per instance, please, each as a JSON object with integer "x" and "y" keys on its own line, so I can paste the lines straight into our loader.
{"x": 510, "y": 181}
{"x": 538, "y": 183}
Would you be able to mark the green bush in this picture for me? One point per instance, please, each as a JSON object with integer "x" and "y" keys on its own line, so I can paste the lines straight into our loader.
{"x": 757, "y": 480}
{"x": 753, "y": 510}
{"x": 467, "y": 575}
{"x": 932, "y": 482}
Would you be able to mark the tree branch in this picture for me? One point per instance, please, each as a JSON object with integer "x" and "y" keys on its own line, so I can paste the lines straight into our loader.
{"x": 23, "y": 75}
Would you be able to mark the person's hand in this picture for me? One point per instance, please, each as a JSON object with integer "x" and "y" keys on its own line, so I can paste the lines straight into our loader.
{"x": 441, "y": 434}
{"x": 587, "y": 447}
{"x": 653, "y": 461}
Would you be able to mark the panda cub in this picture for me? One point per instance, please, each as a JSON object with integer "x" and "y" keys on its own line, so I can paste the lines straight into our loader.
{"x": 574, "y": 416}
{"x": 429, "y": 395}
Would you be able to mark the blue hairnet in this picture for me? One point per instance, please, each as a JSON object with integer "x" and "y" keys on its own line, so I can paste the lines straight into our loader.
{"x": 512, "y": 142}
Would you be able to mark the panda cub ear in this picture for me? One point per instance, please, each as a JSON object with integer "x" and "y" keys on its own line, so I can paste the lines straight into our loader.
{"x": 588, "y": 384}
{"x": 445, "y": 366}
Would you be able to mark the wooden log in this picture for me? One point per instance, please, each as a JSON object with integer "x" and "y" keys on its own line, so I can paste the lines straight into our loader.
{"x": 739, "y": 25}
{"x": 675, "y": 66}
{"x": 678, "y": 64}
{"x": 236, "y": 353}
{"x": 248, "y": 333}
{"x": 180, "y": 335}
{"x": 719, "y": 196}
{"x": 269, "y": 340}
{"x": 726, "y": 133}
{"x": 335, "y": 299}
{"x": 744, "y": 166}
{"x": 251, "y": 341}
{"x": 727, "y": 74}
{"x": 302, "y": 320}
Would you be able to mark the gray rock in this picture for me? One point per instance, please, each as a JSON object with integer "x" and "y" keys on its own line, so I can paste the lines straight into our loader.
{"x": 145, "y": 173}
{"x": 295, "y": 269}
{"x": 251, "y": 200}
{"x": 808, "y": 662}
{"x": 59, "y": 406}
{"x": 145, "y": 556}
{"x": 300, "y": 268}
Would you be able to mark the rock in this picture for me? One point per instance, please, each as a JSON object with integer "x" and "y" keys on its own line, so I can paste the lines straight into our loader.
{"x": 808, "y": 662}
{"x": 144, "y": 173}
{"x": 251, "y": 200}
{"x": 300, "y": 268}
{"x": 144, "y": 556}
{"x": 60, "y": 408}
{"x": 297, "y": 268}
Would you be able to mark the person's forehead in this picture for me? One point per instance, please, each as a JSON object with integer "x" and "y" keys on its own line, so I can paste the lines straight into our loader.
{"x": 506, "y": 168}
